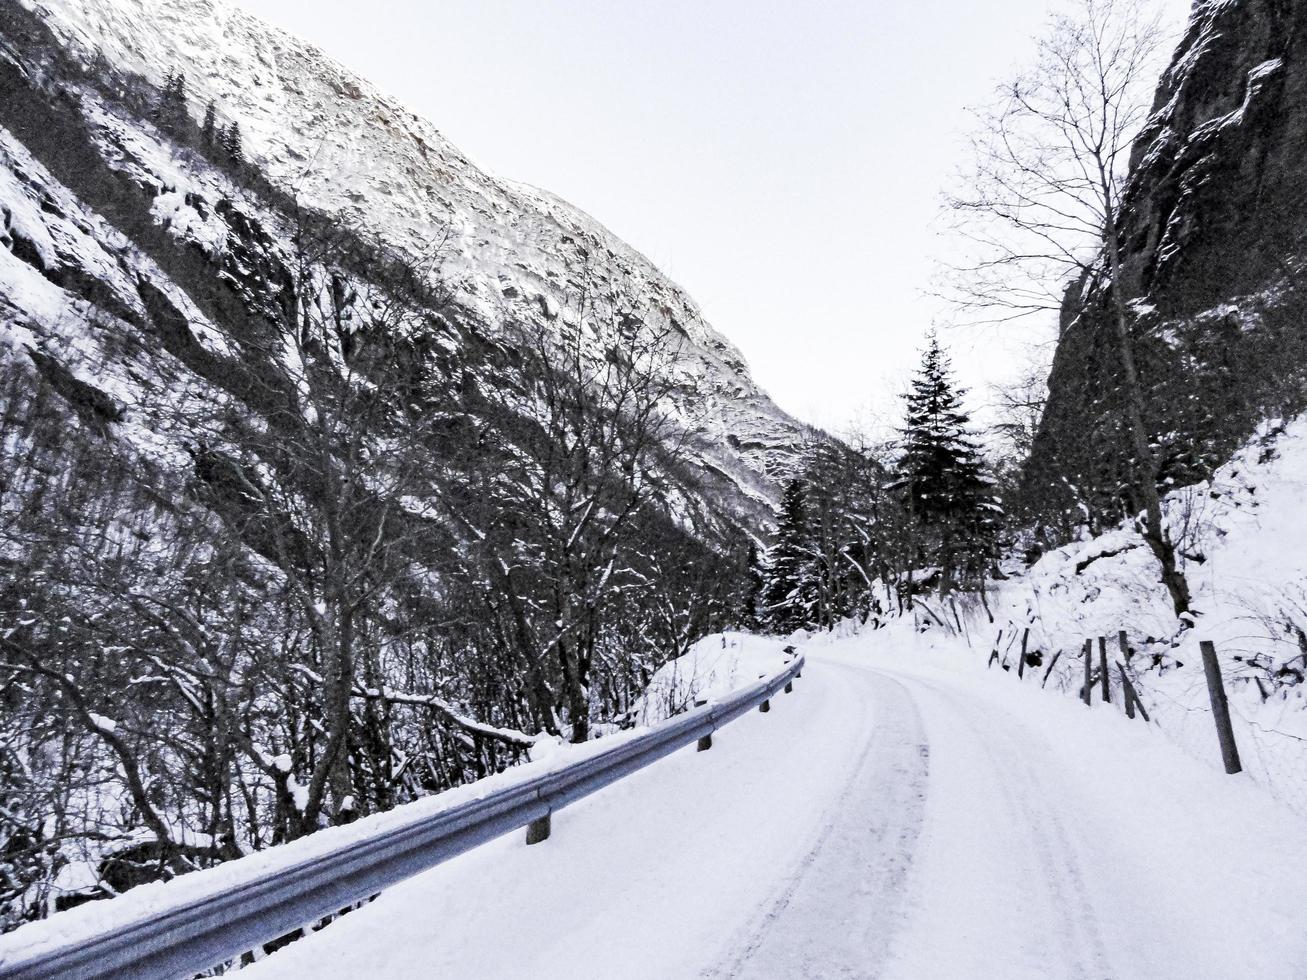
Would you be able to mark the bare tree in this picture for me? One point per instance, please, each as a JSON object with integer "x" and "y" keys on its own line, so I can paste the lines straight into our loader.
{"x": 568, "y": 476}
{"x": 1043, "y": 206}
{"x": 1018, "y": 405}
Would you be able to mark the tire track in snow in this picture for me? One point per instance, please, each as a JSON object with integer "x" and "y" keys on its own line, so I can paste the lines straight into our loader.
{"x": 1040, "y": 869}
{"x": 838, "y": 909}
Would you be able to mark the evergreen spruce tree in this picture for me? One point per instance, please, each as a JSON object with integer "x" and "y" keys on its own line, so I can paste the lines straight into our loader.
{"x": 171, "y": 112}
{"x": 230, "y": 137}
{"x": 828, "y": 476}
{"x": 789, "y": 594}
{"x": 941, "y": 475}
{"x": 209, "y": 128}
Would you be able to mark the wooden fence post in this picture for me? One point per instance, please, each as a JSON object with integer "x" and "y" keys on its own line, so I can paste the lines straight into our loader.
{"x": 1021, "y": 664}
{"x": 1102, "y": 666}
{"x": 1044, "y": 683}
{"x": 1220, "y": 708}
{"x": 1133, "y": 695}
{"x": 1127, "y": 695}
{"x": 1088, "y": 692}
{"x": 1124, "y": 645}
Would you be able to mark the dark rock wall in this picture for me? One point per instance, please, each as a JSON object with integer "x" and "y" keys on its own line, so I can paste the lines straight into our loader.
{"x": 1214, "y": 223}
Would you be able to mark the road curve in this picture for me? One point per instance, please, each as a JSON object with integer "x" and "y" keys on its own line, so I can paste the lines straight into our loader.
{"x": 890, "y": 818}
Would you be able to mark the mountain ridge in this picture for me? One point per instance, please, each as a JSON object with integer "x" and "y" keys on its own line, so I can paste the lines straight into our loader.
{"x": 344, "y": 148}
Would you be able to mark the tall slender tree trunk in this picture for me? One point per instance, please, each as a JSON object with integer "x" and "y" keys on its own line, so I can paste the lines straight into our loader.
{"x": 1146, "y": 468}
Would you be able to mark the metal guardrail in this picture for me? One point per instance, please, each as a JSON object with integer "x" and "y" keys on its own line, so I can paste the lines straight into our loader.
{"x": 184, "y": 940}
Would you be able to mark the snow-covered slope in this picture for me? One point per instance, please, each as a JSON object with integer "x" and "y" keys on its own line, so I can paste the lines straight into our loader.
{"x": 1243, "y": 540}
{"x": 347, "y": 150}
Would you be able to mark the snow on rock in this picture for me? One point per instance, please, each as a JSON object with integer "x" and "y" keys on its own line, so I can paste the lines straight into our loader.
{"x": 349, "y": 150}
{"x": 102, "y": 724}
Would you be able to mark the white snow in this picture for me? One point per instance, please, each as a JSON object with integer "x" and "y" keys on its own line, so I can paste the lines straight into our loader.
{"x": 713, "y": 667}
{"x": 1247, "y": 537}
{"x": 903, "y": 814}
{"x": 103, "y": 724}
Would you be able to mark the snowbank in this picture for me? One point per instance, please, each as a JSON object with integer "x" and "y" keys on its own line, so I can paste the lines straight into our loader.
{"x": 1243, "y": 536}
{"x": 713, "y": 667}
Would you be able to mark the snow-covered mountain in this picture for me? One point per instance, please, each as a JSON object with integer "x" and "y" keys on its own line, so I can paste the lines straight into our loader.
{"x": 329, "y": 142}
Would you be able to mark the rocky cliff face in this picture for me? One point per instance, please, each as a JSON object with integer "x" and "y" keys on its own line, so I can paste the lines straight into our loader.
{"x": 108, "y": 221}
{"x": 1215, "y": 221}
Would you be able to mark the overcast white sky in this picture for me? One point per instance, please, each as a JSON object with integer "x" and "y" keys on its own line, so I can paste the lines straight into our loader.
{"x": 783, "y": 161}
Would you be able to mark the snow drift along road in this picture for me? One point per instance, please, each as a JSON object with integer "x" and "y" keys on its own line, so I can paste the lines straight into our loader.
{"x": 896, "y": 816}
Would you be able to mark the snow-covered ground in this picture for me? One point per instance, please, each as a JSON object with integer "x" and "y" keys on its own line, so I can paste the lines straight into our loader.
{"x": 1244, "y": 538}
{"x": 904, "y": 813}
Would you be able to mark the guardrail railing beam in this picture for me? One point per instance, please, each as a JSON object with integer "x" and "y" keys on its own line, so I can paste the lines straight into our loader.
{"x": 188, "y": 937}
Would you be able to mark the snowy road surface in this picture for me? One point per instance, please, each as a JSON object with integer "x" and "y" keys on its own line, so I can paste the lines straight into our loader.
{"x": 896, "y": 816}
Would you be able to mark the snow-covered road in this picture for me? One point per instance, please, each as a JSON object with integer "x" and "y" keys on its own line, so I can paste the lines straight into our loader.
{"x": 897, "y": 816}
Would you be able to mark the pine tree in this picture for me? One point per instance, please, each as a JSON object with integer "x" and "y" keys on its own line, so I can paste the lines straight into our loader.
{"x": 171, "y": 111}
{"x": 828, "y": 476}
{"x": 789, "y": 594}
{"x": 941, "y": 474}
{"x": 209, "y": 128}
{"x": 178, "y": 95}
{"x": 230, "y": 138}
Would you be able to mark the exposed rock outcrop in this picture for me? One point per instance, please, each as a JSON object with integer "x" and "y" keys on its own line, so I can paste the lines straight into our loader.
{"x": 1215, "y": 225}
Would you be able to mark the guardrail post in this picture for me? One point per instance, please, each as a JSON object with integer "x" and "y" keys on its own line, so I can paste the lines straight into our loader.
{"x": 705, "y": 741}
{"x": 789, "y": 687}
{"x": 766, "y": 704}
{"x": 789, "y": 651}
{"x": 1220, "y": 708}
{"x": 538, "y": 830}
